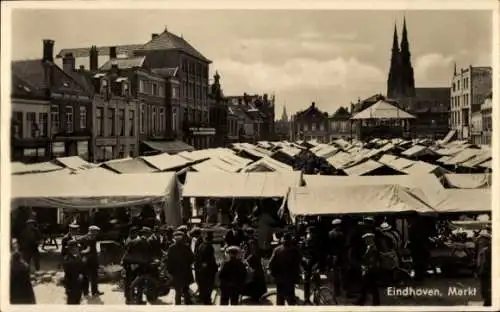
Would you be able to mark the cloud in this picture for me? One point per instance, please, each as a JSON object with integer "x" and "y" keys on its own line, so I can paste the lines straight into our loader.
{"x": 297, "y": 73}
{"x": 433, "y": 69}
{"x": 305, "y": 44}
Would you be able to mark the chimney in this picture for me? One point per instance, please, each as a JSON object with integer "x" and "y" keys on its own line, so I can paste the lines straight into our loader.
{"x": 313, "y": 105}
{"x": 93, "y": 59}
{"x": 48, "y": 50}
{"x": 68, "y": 62}
{"x": 154, "y": 36}
{"x": 112, "y": 52}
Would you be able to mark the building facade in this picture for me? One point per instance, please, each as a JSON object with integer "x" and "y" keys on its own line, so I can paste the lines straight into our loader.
{"x": 51, "y": 110}
{"x": 476, "y": 128}
{"x": 310, "y": 124}
{"x": 470, "y": 87}
{"x": 487, "y": 120}
{"x": 340, "y": 125}
{"x": 219, "y": 113}
{"x": 431, "y": 106}
{"x": 185, "y": 85}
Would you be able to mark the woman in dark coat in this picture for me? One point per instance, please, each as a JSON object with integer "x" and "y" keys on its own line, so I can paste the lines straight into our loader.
{"x": 257, "y": 285}
{"x": 21, "y": 290}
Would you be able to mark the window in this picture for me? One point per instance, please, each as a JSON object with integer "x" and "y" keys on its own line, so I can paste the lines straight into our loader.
{"x": 155, "y": 88}
{"x": 458, "y": 85}
{"x": 131, "y": 151}
{"x": 121, "y": 122}
{"x": 142, "y": 120}
{"x": 125, "y": 89}
{"x": 131, "y": 123}
{"x": 44, "y": 123}
{"x": 111, "y": 121}
{"x": 121, "y": 153}
{"x": 142, "y": 87}
{"x": 305, "y": 127}
{"x": 32, "y": 125}
{"x": 162, "y": 119}
{"x": 54, "y": 118}
{"x": 68, "y": 119}
{"x": 313, "y": 126}
{"x": 83, "y": 117}
{"x": 154, "y": 119}
{"x": 104, "y": 85}
{"x": 17, "y": 124}
{"x": 161, "y": 90}
{"x": 322, "y": 127}
{"x": 175, "y": 92}
{"x": 99, "y": 121}
{"x": 174, "y": 120}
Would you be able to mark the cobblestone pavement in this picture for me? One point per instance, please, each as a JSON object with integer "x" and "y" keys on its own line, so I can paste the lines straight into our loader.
{"x": 49, "y": 293}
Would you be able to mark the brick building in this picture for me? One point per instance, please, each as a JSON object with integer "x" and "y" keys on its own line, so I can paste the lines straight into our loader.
{"x": 470, "y": 87}
{"x": 185, "y": 80}
{"x": 310, "y": 124}
{"x": 340, "y": 125}
{"x": 51, "y": 110}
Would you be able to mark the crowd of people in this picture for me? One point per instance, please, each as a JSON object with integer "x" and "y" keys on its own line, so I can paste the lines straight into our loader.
{"x": 360, "y": 254}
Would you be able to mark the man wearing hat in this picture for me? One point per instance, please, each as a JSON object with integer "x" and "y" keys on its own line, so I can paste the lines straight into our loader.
{"x": 195, "y": 239}
{"x": 337, "y": 251}
{"x": 28, "y": 244}
{"x": 232, "y": 276}
{"x": 71, "y": 235}
{"x": 91, "y": 260}
{"x": 235, "y": 236}
{"x": 74, "y": 270}
{"x": 179, "y": 264}
{"x": 484, "y": 266}
{"x": 205, "y": 267}
{"x": 285, "y": 269}
{"x": 370, "y": 263}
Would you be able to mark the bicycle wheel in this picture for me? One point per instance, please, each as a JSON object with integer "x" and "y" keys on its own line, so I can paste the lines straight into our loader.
{"x": 324, "y": 296}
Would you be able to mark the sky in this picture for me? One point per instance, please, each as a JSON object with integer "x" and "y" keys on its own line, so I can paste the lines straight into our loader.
{"x": 329, "y": 57}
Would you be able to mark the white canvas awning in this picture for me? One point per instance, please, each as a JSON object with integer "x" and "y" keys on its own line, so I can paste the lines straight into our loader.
{"x": 382, "y": 110}
{"x": 398, "y": 163}
{"x": 463, "y": 156}
{"x": 229, "y": 185}
{"x": 21, "y": 168}
{"x": 472, "y": 200}
{"x": 135, "y": 165}
{"x": 74, "y": 162}
{"x": 418, "y": 150}
{"x": 361, "y": 199}
{"x": 165, "y": 161}
{"x": 468, "y": 181}
{"x": 269, "y": 163}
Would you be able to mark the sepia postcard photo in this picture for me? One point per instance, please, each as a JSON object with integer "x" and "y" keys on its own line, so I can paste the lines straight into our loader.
{"x": 326, "y": 154}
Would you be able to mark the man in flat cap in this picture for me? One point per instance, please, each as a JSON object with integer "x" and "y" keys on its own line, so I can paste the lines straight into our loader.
{"x": 91, "y": 260}
{"x": 74, "y": 270}
{"x": 179, "y": 264}
{"x": 205, "y": 267}
{"x": 370, "y": 264}
{"x": 232, "y": 276}
{"x": 285, "y": 268}
{"x": 71, "y": 235}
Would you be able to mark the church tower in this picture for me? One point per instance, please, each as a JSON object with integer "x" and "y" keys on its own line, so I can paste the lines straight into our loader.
{"x": 407, "y": 77}
{"x": 393, "y": 84}
{"x": 400, "y": 81}
{"x": 284, "y": 115}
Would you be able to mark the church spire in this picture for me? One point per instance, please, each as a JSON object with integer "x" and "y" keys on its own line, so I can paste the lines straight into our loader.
{"x": 284, "y": 115}
{"x": 393, "y": 79}
{"x": 407, "y": 76}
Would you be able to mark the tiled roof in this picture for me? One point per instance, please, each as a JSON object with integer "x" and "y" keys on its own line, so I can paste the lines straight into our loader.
{"x": 166, "y": 72}
{"x": 32, "y": 72}
{"x": 169, "y": 41}
{"x": 127, "y": 49}
{"x": 124, "y": 63}
{"x": 341, "y": 114}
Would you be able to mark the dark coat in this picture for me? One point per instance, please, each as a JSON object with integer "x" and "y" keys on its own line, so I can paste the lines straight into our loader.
{"x": 179, "y": 261}
{"x": 205, "y": 265}
{"x": 21, "y": 290}
{"x": 257, "y": 286}
{"x": 64, "y": 244}
{"x": 89, "y": 251}
{"x": 74, "y": 269}
{"x": 232, "y": 239}
{"x": 232, "y": 274}
{"x": 285, "y": 264}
